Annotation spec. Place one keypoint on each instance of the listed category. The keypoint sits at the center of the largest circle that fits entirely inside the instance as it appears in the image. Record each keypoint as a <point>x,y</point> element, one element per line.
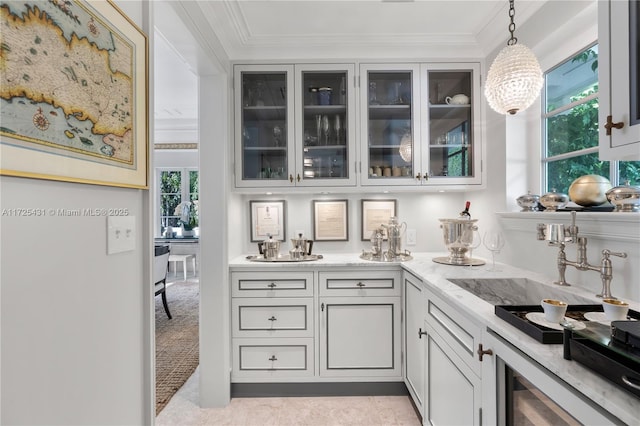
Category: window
<point>175,186</point>
<point>570,126</point>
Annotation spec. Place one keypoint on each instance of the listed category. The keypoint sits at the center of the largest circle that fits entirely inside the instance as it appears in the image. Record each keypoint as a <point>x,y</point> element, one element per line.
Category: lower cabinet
<point>360,332</point>
<point>360,337</point>
<point>453,369</point>
<point>413,352</point>
<point>292,326</point>
<point>453,395</point>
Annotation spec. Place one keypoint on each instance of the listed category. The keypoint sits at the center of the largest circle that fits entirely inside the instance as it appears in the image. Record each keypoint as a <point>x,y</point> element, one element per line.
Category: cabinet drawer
<point>269,358</point>
<point>458,331</point>
<point>360,283</point>
<point>258,317</point>
<point>272,284</point>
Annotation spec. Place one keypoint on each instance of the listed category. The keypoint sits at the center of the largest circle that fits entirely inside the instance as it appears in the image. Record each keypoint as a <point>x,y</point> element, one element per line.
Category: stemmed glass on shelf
<point>494,241</point>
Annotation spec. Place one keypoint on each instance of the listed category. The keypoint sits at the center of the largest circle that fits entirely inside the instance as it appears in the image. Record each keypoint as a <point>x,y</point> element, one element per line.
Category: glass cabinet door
<point>263,124</point>
<point>325,116</point>
<point>453,150</point>
<point>389,144</point>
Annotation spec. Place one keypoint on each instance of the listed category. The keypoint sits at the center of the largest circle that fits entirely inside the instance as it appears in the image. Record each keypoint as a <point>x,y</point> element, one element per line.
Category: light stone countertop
<point>436,276</point>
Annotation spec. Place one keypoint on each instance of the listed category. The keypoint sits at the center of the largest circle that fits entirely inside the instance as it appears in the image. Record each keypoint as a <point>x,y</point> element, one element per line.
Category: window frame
<point>544,159</point>
<point>185,193</point>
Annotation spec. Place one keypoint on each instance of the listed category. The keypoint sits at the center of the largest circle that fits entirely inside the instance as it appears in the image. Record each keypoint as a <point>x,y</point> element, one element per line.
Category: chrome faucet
<point>559,235</point>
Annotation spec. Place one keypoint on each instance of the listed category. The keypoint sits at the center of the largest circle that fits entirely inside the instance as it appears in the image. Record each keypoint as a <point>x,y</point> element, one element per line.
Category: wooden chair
<point>160,269</point>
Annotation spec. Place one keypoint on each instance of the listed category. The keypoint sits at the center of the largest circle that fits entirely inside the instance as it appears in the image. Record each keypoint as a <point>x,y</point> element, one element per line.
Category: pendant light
<point>515,79</point>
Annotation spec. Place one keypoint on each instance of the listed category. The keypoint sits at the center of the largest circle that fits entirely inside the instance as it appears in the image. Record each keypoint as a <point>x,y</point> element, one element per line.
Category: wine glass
<point>493,241</point>
<point>475,243</point>
<point>325,128</point>
<point>338,128</point>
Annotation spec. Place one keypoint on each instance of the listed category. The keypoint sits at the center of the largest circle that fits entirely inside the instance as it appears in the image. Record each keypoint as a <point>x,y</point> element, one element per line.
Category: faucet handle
<point>606,253</point>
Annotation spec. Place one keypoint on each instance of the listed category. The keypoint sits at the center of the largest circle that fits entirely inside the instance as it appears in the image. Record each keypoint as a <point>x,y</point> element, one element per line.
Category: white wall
<point>74,320</point>
<point>420,211</point>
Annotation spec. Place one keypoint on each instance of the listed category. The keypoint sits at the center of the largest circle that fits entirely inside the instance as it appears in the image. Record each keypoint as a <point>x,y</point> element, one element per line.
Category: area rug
<point>177,353</point>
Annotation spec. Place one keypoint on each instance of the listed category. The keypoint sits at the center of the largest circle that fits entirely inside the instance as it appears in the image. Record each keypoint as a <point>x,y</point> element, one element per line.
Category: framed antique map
<point>73,93</point>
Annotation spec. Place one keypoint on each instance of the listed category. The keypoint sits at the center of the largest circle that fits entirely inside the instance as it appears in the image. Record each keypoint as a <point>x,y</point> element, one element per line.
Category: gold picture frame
<point>330,220</point>
<point>74,93</point>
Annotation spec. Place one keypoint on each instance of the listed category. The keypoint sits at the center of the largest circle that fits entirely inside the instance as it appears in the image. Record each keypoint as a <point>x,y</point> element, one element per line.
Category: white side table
<point>175,258</point>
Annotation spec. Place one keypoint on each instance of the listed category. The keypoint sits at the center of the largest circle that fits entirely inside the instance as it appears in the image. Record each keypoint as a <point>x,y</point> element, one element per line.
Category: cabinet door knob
<point>610,124</point>
<point>322,307</point>
<point>273,358</point>
<point>419,176</point>
<point>291,178</point>
<point>298,178</point>
<point>273,318</point>
<point>360,284</point>
<point>421,333</point>
<point>481,352</point>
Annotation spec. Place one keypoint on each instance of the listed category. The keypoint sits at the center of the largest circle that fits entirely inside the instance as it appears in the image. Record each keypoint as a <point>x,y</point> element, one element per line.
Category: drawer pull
<point>272,285</point>
<point>273,358</point>
<point>421,333</point>
<point>273,318</point>
<point>627,381</point>
<point>481,352</point>
<point>360,284</point>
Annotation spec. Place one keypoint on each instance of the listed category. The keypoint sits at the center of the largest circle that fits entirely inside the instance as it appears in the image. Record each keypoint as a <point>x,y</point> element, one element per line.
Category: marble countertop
<point>607,395</point>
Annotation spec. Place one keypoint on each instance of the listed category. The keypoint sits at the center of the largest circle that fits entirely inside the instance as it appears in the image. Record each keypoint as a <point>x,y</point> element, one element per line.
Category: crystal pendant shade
<point>514,80</point>
<point>405,147</point>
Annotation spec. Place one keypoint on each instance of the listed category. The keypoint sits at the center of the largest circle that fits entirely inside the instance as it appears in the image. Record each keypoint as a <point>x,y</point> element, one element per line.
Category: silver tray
<point>284,258</point>
<point>466,262</point>
<point>366,255</point>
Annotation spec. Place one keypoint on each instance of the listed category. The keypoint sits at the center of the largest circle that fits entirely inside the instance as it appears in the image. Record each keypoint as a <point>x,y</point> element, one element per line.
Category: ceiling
<point>305,30</point>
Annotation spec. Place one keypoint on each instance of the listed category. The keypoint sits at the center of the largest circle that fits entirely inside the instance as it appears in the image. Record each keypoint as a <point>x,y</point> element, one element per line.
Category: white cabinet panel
<point>414,343</point>
<point>272,284</point>
<point>454,396</point>
<point>272,359</point>
<point>291,317</point>
<point>360,336</point>
<point>619,81</point>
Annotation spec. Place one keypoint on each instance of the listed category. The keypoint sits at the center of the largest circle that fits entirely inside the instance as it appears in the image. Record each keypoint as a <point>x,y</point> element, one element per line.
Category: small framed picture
<point>267,218</point>
<point>374,214</point>
<point>330,220</point>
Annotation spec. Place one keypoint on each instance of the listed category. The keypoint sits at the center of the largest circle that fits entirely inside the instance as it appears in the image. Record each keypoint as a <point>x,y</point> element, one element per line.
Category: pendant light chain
<point>512,26</point>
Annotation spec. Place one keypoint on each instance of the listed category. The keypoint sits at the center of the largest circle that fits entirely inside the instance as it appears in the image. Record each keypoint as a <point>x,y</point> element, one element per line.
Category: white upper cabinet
<point>618,23</point>
<point>420,124</point>
<point>413,125</point>
<point>294,125</point>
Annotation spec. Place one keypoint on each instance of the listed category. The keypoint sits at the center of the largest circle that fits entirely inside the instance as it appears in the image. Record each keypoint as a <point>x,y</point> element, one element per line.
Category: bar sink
<point>516,291</point>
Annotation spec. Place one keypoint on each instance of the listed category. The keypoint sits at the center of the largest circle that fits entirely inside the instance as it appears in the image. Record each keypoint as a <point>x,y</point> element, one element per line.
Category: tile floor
<point>308,411</point>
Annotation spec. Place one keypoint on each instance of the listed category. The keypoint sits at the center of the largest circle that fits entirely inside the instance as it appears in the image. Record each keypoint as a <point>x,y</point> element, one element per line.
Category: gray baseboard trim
<point>260,390</point>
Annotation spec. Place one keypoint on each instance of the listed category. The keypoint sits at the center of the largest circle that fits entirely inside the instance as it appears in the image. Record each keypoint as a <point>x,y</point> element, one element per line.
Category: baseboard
<point>261,390</point>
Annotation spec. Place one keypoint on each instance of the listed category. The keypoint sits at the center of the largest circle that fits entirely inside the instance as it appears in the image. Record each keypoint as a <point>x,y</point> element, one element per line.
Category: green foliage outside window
<point>576,129</point>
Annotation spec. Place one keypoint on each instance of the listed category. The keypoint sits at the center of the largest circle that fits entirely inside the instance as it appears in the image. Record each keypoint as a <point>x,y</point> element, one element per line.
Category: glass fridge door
<point>264,126</point>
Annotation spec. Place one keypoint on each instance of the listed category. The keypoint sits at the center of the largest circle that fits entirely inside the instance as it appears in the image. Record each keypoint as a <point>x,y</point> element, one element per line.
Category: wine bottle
<point>465,213</point>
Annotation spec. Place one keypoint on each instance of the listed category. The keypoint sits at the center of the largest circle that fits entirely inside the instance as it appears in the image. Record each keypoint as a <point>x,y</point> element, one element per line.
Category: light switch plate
<point>121,234</point>
<point>411,237</point>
